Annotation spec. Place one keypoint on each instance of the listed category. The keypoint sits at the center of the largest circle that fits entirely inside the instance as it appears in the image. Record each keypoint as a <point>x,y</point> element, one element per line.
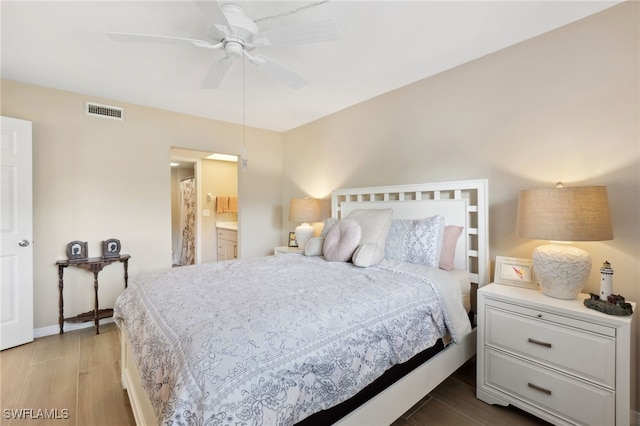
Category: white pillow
<point>341,241</point>
<point>314,246</point>
<point>416,241</point>
<point>374,224</point>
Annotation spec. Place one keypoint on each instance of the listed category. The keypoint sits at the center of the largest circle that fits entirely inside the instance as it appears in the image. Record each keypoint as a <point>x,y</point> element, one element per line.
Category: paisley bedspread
<point>272,340</point>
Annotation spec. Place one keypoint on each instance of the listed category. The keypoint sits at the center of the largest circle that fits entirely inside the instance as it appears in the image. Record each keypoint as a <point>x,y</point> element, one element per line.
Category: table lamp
<point>562,215</point>
<point>304,210</point>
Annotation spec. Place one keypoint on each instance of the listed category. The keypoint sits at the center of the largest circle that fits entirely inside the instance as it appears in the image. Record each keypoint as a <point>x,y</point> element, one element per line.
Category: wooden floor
<point>75,377</point>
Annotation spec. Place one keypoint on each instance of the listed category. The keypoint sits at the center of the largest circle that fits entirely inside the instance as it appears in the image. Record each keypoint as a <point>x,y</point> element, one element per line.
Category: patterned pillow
<point>416,241</point>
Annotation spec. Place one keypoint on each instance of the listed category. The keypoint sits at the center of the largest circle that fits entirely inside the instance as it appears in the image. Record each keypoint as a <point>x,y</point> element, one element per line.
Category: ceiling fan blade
<point>278,71</point>
<point>308,32</point>
<point>162,39</point>
<point>216,17</point>
<point>216,73</point>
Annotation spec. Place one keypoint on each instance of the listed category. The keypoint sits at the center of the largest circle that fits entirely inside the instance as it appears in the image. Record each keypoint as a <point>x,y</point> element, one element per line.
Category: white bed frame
<point>462,203</point>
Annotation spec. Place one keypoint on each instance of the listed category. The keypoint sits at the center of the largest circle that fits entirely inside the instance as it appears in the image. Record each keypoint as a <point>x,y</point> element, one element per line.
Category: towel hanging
<point>233,204</point>
<point>222,204</point>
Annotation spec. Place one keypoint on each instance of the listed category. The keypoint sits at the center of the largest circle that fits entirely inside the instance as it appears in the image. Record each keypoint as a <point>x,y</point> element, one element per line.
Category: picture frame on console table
<point>514,271</point>
<point>111,248</point>
<point>77,250</point>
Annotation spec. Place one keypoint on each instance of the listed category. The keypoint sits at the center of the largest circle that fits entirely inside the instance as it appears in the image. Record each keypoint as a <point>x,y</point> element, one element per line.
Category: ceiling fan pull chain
<point>243,157</point>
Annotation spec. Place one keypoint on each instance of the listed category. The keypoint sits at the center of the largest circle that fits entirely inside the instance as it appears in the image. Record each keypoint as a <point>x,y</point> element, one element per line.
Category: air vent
<point>104,111</point>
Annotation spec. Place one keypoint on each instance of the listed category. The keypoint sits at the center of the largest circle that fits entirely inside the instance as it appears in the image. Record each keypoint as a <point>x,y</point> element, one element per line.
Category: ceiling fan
<point>233,32</point>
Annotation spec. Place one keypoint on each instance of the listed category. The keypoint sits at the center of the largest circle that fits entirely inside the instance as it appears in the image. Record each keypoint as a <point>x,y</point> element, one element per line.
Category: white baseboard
<point>55,329</point>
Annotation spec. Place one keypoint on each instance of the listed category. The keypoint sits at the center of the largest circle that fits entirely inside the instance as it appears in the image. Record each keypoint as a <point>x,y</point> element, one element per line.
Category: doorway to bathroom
<point>202,186</point>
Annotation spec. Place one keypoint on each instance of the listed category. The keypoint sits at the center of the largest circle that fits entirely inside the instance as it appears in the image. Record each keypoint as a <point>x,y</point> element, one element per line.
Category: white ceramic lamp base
<point>562,269</point>
<point>304,233</point>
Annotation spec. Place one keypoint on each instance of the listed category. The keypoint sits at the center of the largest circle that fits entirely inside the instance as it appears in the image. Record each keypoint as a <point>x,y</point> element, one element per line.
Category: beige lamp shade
<point>304,210</point>
<point>564,214</point>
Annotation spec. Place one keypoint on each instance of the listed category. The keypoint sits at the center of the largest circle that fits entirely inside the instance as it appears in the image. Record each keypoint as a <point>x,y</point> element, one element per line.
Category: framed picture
<point>77,250</point>
<point>111,248</point>
<point>516,272</point>
<point>292,240</point>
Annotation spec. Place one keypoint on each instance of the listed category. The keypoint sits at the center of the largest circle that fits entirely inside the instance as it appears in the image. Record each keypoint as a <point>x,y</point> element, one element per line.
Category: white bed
<point>462,203</point>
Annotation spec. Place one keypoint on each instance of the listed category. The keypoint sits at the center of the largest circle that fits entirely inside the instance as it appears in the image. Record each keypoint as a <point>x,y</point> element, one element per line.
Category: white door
<point>16,232</point>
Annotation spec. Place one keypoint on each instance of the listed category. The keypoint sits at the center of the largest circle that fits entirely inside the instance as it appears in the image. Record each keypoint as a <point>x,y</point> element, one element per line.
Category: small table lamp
<point>304,210</point>
<point>562,215</point>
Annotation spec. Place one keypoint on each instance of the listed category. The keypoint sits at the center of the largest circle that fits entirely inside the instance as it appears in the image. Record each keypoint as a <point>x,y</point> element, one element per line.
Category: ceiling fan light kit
<point>231,30</point>
<point>233,48</point>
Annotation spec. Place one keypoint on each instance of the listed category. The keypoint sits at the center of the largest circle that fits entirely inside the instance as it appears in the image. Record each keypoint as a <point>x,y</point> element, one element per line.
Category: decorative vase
<point>562,269</point>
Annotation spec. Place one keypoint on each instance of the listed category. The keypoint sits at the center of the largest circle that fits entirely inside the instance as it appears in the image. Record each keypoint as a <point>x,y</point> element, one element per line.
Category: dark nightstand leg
<point>126,273</point>
<point>95,313</point>
<point>61,298</point>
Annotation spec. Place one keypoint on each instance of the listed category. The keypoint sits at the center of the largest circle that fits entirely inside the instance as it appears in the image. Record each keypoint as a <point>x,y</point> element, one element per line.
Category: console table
<point>95,265</point>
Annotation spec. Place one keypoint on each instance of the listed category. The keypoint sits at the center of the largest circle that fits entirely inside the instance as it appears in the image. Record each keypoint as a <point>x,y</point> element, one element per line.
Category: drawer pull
<point>538,342</point>
<point>539,388</point>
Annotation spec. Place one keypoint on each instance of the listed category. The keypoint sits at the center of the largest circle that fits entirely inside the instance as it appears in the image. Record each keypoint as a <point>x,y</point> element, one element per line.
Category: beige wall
<point>563,106</point>
<point>560,107</point>
<point>218,178</point>
<point>97,178</point>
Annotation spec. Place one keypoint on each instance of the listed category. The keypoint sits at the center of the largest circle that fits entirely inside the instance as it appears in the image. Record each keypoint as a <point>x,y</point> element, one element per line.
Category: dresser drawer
<point>567,398</point>
<point>227,234</point>
<point>577,351</point>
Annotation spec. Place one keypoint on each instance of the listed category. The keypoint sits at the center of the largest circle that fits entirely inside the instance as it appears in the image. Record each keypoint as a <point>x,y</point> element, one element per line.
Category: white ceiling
<point>384,45</point>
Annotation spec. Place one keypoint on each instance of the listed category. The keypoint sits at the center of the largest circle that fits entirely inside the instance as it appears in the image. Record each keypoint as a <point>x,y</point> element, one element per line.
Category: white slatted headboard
<point>463,203</point>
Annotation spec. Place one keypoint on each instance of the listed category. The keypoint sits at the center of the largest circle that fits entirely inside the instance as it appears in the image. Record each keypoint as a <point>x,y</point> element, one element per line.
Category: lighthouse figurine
<point>606,281</point>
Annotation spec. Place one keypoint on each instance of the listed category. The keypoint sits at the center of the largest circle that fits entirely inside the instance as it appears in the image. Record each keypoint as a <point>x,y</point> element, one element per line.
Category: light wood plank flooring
<point>79,372</point>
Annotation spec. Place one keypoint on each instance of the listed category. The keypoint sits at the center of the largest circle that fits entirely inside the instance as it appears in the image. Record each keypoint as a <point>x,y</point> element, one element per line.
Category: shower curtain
<point>186,237</point>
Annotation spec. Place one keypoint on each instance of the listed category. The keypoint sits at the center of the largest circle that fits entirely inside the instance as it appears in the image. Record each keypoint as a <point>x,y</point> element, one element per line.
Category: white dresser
<point>554,358</point>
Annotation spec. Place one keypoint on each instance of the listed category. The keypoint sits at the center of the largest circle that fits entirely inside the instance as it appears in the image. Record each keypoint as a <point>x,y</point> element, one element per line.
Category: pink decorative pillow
<point>449,241</point>
<point>341,241</point>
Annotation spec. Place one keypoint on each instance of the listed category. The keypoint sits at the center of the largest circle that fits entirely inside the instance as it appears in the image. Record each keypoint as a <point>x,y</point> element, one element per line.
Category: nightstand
<point>553,358</point>
<point>94,265</point>
<point>285,249</point>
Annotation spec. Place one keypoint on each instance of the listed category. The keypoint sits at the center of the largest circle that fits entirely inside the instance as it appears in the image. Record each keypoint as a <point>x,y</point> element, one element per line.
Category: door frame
<point>196,157</point>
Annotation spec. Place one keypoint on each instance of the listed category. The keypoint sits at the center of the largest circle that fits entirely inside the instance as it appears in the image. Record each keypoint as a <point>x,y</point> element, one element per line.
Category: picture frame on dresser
<point>514,271</point>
